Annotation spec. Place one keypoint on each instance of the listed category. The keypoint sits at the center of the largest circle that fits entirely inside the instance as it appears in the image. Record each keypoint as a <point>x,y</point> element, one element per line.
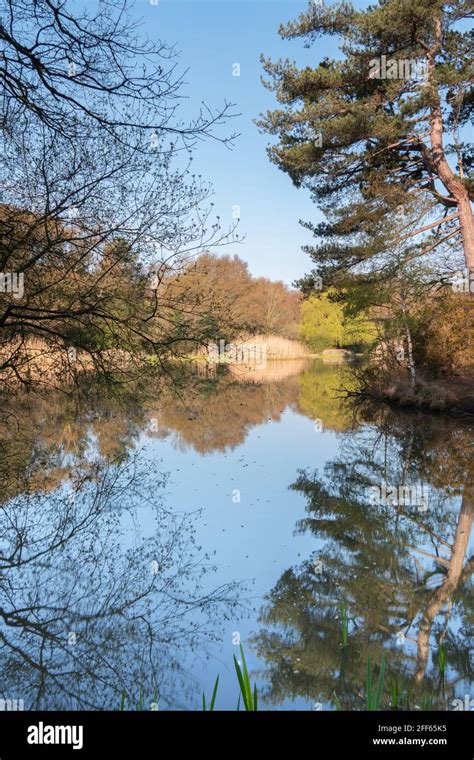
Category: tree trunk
<point>467,230</point>
<point>442,594</point>
<point>452,182</point>
<point>411,363</point>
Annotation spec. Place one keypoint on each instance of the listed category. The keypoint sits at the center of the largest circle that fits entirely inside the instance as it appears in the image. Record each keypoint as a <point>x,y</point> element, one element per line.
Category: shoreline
<point>451,396</point>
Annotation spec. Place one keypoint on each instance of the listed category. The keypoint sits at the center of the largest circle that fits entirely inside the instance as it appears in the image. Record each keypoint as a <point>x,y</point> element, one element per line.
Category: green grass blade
<point>441,659</point>
<point>248,688</point>
<point>203,702</point>
<point>378,694</point>
<point>241,683</point>
<point>122,701</point>
<point>214,694</point>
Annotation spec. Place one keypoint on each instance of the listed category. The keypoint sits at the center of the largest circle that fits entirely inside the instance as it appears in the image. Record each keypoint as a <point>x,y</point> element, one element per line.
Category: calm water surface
<point>141,542</point>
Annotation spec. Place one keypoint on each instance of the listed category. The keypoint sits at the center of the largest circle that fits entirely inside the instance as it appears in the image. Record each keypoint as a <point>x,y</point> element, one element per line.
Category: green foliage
<point>213,697</point>
<point>321,323</point>
<point>247,694</point>
<point>427,703</point>
<point>442,660</point>
<point>374,695</point>
<point>320,396</point>
<point>249,697</point>
<point>325,325</point>
<point>351,132</point>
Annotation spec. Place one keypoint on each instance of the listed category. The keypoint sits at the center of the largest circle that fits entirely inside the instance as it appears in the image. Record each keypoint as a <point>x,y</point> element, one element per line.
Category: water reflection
<point>203,407</point>
<point>92,611</point>
<point>217,412</point>
<point>401,574</point>
<point>106,594</point>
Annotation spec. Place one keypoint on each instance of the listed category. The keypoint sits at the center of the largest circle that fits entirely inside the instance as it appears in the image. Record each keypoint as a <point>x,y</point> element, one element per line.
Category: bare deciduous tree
<point>97,192</point>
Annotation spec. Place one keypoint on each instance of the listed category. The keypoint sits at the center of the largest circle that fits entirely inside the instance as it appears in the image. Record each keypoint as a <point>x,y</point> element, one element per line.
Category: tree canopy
<point>378,134</point>
<point>97,188</point>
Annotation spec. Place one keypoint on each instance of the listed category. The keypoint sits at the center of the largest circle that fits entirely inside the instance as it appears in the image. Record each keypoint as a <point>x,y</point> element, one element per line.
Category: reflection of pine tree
<point>381,562</point>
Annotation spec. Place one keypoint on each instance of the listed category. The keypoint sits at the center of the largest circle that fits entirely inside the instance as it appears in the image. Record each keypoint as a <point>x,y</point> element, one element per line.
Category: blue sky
<point>211,36</point>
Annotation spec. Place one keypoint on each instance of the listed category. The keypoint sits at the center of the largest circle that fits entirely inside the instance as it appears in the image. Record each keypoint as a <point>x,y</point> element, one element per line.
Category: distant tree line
<point>227,302</point>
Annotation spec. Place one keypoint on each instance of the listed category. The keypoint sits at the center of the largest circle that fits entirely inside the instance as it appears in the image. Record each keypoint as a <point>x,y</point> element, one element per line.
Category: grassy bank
<point>452,395</point>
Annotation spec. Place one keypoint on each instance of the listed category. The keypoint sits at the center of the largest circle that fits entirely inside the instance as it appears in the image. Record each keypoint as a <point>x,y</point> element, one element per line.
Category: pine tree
<point>377,134</point>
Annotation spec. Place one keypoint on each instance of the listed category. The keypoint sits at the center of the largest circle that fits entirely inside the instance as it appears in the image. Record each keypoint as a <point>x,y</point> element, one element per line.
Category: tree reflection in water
<point>403,575</point>
<point>91,611</point>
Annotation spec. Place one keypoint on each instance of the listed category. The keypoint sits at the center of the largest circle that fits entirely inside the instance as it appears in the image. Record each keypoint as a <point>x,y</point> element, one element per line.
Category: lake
<point>146,535</point>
